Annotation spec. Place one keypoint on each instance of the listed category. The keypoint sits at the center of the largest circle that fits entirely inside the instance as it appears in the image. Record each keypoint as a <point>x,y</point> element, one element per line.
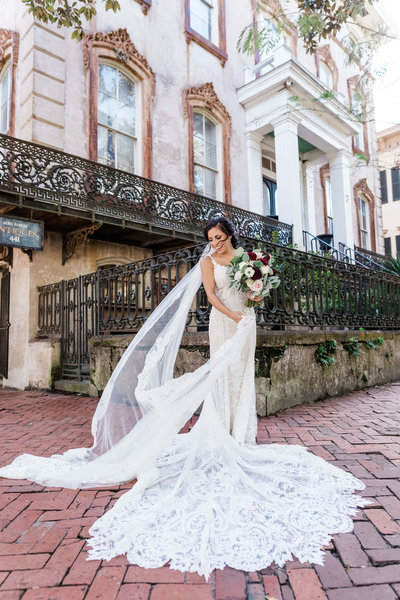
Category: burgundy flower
<point>252,255</point>
<point>264,261</point>
<point>257,274</point>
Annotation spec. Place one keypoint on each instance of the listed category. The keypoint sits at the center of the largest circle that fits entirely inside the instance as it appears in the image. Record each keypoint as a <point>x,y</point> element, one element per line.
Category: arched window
<point>209,133</point>
<point>363,210</point>
<point>116,129</point>
<point>271,37</point>
<point>121,94</point>
<point>326,75</point>
<point>327,69</point>
<point>5,101</point>
<point>205,155</point>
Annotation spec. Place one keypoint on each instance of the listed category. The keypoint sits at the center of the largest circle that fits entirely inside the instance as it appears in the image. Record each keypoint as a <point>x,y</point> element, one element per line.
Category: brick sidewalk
<point>43,530</point>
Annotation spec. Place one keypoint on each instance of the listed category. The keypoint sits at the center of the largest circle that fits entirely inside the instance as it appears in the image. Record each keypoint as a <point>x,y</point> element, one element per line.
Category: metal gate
<point>4,322</point>
<point>79,322</point>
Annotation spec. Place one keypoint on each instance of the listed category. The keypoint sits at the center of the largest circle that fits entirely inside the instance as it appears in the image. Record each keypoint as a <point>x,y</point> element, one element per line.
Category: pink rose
<point>257,286</point>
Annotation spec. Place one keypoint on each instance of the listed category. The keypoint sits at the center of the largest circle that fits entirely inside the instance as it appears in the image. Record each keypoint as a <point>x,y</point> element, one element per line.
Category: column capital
<point>341,154</point>
<point>254,136</point>
<point>289,119</point>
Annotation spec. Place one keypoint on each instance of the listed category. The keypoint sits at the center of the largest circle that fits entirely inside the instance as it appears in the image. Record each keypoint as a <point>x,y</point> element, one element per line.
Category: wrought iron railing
<point>49,316</point>
<point>369,258</point>
<point>63,181</point>
<point>315,291</point>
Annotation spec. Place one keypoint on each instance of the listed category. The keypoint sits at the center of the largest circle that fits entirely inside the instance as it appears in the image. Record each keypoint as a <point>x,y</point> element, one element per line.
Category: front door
<point>4,322</point>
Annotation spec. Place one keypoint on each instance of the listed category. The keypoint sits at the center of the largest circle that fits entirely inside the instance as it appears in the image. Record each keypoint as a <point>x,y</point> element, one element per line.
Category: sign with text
<point>21,233</point>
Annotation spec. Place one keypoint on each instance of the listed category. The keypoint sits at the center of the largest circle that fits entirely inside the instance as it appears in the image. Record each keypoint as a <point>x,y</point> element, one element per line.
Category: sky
<point>387,86</point>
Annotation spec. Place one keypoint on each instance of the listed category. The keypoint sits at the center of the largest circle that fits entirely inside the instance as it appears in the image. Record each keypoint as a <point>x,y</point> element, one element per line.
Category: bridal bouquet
<point>253,272</point>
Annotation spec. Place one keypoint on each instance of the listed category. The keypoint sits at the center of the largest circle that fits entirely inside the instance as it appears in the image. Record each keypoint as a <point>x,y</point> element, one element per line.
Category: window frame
<point>383,187</point>
<point>362,189</point>
<point>365,232</point>
<point>116,48</point>
<point>388,246</point>
<point>6,71</point>
<point>218,188</point>
<point>395,183</point>
<point>9,53</point>
<point>219,50</point>
<point>137,154</point>
<point>352,84</point>
<point>273,10</point>
<point>323,55</point>
<point>204,98</point>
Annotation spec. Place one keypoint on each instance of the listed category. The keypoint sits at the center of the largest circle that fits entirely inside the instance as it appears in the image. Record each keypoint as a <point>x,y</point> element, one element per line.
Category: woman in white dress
<point>210,497</point>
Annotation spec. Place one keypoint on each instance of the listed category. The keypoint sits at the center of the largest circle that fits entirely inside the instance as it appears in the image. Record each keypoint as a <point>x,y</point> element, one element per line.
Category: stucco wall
<point>30,362</point>
<point>287,372</point>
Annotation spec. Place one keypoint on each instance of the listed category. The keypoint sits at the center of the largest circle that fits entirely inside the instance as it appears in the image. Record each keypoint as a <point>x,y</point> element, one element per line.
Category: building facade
<point>165,95</point>
<point>389,165</point>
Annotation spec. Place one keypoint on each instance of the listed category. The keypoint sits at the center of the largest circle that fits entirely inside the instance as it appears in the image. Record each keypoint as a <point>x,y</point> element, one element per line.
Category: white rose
<point>249,272</point>
<point>264,270</point>
<point>238,275</point>
<point>259,254</point>
<point>242,264</point>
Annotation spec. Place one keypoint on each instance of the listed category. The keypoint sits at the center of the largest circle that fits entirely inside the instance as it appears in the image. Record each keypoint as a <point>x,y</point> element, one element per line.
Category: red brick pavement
<point>43,530</point>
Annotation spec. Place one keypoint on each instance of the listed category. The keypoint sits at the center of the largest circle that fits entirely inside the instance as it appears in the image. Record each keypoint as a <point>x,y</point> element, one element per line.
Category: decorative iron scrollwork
<point>63,180</point>
<point>72,241</point>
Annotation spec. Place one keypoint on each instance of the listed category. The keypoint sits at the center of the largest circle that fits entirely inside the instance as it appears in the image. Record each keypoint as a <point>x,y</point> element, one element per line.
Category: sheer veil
<point>142,407</point>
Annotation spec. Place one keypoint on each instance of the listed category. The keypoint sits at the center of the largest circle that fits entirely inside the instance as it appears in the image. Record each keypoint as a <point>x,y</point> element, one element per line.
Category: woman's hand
<point>256,299</point>
<point>237,316</point>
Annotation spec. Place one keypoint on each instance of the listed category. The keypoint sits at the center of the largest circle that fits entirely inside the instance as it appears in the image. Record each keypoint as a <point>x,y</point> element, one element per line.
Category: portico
<point>291,113</point>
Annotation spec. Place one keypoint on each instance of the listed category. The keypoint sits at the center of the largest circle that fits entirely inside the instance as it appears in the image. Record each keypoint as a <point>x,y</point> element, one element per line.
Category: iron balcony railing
<point>63,183</point>
<point>357,256</point>
<point>315,291</point>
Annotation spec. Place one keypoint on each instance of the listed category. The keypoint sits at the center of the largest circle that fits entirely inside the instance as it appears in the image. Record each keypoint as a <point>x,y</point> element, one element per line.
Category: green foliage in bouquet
<point>253,272</point>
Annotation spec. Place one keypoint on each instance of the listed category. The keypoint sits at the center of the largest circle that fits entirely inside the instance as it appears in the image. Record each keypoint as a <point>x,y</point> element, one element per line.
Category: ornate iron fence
<point>315,291</point>
<point>61,181</point>
<point>49,316</point>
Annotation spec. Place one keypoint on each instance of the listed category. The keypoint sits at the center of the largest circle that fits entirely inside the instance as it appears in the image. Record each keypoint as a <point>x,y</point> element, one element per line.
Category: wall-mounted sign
<point>21,233</point>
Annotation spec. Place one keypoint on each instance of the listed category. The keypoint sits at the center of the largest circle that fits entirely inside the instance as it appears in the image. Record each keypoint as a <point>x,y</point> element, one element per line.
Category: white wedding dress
<point>210,497</point>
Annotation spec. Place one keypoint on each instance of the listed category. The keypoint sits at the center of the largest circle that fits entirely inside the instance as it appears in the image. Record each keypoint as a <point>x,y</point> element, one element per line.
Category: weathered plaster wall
<point>31,361</point>
<point>287,372</point>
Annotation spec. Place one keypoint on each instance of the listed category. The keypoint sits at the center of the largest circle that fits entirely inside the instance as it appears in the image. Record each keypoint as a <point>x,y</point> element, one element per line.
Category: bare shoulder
<point>206,263</point>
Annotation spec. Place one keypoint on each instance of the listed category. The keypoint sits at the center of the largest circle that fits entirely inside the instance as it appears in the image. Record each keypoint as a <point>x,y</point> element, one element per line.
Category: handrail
<point>62,182</point>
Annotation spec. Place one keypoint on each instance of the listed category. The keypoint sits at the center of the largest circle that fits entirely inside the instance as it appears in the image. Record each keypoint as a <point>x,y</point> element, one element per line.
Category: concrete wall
<point>282,380</point>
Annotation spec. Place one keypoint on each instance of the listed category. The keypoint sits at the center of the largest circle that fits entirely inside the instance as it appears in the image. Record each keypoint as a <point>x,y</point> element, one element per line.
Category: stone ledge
<point>287,372</point>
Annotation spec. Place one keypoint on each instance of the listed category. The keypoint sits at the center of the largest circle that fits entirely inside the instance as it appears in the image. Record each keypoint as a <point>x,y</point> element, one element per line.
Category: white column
<point>288,174</point>
<point>254,166</point>
<point>310,200</point>
<point>339,167</point>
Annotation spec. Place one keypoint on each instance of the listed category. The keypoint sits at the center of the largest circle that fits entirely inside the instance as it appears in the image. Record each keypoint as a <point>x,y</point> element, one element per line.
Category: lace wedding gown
<point>210,497</point>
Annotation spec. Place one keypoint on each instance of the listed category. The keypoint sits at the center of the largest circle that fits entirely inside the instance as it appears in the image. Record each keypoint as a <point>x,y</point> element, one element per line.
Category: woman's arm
<point>207,271</point>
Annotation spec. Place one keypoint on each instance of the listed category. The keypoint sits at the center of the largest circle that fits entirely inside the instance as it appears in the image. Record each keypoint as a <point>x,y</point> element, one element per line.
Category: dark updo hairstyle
<point>225,226</point>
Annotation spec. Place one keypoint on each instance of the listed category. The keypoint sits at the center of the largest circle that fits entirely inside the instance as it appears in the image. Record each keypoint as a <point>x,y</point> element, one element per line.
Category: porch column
<point>339,167</point>
<point>288,174</point>
<point>310,222</point>
<point>254,166</point>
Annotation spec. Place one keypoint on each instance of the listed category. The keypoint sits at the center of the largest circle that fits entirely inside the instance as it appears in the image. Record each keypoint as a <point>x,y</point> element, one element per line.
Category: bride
<point>210,497</point>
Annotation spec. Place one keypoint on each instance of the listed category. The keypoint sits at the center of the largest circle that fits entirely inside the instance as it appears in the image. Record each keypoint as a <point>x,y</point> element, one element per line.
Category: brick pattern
<point>43,530</point>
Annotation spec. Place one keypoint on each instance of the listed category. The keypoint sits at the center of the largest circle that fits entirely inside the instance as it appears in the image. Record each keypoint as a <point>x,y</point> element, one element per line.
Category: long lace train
<point>215,502</point>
